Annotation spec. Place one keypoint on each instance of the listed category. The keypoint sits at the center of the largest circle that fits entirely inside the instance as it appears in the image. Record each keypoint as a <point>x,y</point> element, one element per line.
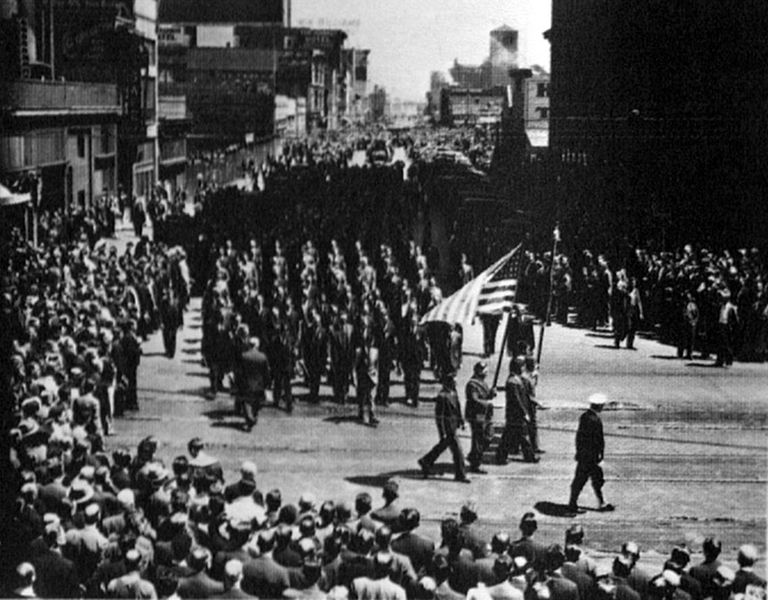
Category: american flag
<point>493,291</point>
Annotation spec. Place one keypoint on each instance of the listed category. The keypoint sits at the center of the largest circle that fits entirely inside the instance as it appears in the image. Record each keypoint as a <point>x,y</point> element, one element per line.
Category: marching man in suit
<point>590,447</point>
<point>448,419</point>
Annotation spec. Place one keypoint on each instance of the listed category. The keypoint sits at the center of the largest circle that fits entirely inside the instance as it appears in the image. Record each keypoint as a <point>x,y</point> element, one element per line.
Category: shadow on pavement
<point>239,425</point>
<point>608,346</point>
<point>190,351</point>
<point>197,374</point>
<point>193,341</point>
<point>380,479</point>
<point>153,354</point>
<point>553,509</point>
<point>597,334</point>
<point>218,414</point>
<point>703,365</point>
<point>665,357</point>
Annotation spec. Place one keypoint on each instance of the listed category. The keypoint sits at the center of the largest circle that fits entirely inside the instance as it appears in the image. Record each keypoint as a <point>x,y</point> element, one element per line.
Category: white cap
<point>126,498</point>
<point>597,400</point>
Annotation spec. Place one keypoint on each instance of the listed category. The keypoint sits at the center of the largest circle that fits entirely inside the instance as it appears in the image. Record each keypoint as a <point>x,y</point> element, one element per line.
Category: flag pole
<point>501,353</point>
<point>548,320</point>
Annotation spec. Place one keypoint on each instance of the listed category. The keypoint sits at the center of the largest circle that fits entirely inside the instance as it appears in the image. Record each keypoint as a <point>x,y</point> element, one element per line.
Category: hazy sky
<point>410,38</point>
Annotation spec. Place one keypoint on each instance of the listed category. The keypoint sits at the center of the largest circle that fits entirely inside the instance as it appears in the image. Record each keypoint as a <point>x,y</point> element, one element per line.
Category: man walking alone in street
<point>448,420</point>
<point>590,447</point>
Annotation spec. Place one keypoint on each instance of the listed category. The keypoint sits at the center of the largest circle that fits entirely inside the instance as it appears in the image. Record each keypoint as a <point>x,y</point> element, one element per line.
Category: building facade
<point>78,97</point>
<point>471,106</point>
<point>503,54</point>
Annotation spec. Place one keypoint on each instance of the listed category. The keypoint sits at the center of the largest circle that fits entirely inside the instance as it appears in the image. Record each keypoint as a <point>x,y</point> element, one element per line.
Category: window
<point>81,198</point>
<point>542,90</point>
<point>80,145</point>
<point>543,112</point>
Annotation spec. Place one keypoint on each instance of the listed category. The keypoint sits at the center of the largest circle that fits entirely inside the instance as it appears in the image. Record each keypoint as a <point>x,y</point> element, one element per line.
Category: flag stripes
<point>492,291</point>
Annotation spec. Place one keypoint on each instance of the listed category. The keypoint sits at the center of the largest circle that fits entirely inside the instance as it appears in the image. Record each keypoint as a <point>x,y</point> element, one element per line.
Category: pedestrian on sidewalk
<point>590,448</point>
<point>448,419</point>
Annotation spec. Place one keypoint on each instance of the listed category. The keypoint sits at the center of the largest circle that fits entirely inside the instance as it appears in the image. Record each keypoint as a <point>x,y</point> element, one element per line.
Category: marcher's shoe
<point>532,459</point>
<point>606,507</point>
<point>501,462</point>
<point>540,451</point>
<point>461,479</point>
<point>373,422</point>
<point>425,471</point>
<point>576,510</point>
<point>477,470</point>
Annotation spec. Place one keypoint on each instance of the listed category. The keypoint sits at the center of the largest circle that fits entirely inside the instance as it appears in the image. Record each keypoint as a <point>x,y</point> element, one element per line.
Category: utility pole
<point>548,320</point>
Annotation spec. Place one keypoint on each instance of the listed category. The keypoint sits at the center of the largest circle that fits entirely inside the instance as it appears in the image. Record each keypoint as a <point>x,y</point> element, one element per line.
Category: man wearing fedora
<point>590,447</point>
<point>478,412</point>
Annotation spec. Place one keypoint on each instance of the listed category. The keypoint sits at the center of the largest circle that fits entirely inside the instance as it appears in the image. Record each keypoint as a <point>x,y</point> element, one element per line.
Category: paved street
<point>686,443</point>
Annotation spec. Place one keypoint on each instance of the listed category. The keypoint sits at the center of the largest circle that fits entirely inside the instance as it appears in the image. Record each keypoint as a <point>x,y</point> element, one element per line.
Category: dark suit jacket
<point>704,573</point>
<point>745,578</point>
<point>590,443</point>
<point>583,581</point>
<point>263,577</point>
<point>199,585</point>
<point>419,549</point>
<point>448,413</point>
<point>472,541</point>
<point>533,551</point>
<point>255,372</point>
<point>562,588</point>
<point>56,576</point>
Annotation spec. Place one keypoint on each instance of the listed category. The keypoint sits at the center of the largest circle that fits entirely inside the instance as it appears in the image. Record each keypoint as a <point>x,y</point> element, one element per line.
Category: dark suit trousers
<point>447,441</point>
<point>584,472</point>
<point>251,404</point>
<point>411,377</point>
<point>131,393</point>
<point>282,388</point>
<point>169,338</point>
<point>481,439</point>
<point>515,435</point>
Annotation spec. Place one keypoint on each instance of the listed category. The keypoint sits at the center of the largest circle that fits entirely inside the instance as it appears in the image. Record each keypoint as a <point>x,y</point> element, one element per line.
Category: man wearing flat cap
<point>590,447</point>
<point>478,412</point>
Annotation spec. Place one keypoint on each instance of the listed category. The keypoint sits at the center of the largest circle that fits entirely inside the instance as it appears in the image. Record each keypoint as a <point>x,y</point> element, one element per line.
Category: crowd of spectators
<point>698,300</point>
<point>129,525</point>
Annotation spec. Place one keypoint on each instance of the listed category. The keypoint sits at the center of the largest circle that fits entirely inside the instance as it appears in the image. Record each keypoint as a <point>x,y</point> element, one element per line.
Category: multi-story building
<point>207,56</point>
<point>356,72</point>
<point>437,82</point>
<point>665,103</point>
<point>175,125</point>
<point>503,54</point>
<point>312,65</point>
<point>78,97</point>
<point>471,106</point>
<point>110,41</point>
<point>493,72</point>
<point>378,102</point>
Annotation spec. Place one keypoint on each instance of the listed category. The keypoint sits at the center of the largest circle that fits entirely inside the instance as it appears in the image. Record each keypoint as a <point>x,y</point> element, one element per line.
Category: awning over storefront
<point>538,138</point>
<point>8,198</point>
